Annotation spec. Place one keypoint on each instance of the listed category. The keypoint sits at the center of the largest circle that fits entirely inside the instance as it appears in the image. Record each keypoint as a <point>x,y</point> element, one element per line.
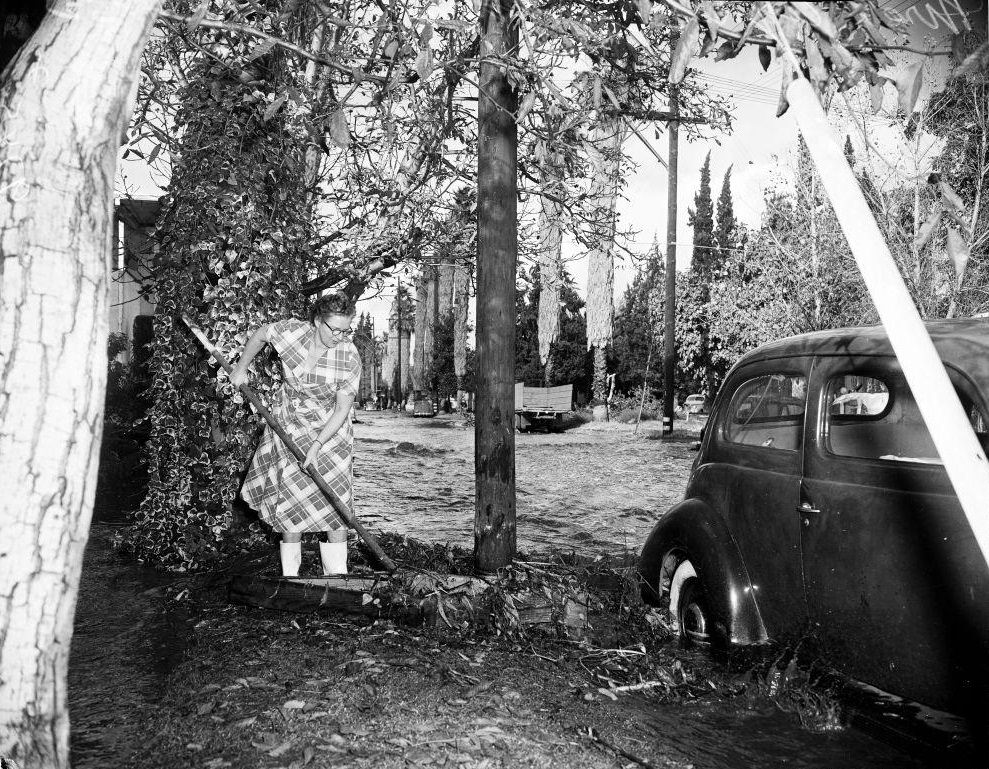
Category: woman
<point>322,372</point>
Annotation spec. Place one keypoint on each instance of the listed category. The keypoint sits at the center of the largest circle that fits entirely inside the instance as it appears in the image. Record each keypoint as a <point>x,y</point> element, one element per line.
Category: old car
<point>695,404</point>
<point>817,507</point>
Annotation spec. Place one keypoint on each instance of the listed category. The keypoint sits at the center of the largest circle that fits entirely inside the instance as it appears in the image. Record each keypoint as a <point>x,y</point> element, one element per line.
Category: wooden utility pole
<point>436,325</point>
<point>497,250</point>
<point>669,320</point>
<point>398,330</point>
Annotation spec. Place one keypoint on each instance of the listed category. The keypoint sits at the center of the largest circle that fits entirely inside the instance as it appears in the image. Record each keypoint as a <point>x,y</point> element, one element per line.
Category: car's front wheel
<point>689,607</point>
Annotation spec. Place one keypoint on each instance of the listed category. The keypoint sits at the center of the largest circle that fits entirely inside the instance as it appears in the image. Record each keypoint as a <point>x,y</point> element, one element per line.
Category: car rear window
<point>873,418</point>
<point>768,412</point>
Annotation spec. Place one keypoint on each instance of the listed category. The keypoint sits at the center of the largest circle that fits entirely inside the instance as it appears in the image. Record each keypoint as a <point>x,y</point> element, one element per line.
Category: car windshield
<point>767,411</point>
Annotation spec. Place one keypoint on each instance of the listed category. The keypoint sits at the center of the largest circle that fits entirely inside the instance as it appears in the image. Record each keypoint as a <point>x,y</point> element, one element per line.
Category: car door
<point>896,587</point>
<point>751,474</point>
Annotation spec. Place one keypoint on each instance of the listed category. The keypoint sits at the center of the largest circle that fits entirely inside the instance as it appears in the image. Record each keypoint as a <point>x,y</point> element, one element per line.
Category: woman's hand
<point>311,454</point>
<point>238,376</point>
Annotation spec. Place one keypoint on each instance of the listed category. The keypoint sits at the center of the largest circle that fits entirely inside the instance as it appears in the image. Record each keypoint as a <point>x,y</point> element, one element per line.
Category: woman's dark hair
<point>334,304</point>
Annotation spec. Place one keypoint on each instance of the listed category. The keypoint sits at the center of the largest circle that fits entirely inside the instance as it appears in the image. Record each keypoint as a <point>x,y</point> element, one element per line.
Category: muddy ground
<point>164,672</point>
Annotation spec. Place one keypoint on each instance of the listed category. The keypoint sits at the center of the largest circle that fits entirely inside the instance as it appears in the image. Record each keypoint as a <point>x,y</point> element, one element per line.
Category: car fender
<point>695,528</point>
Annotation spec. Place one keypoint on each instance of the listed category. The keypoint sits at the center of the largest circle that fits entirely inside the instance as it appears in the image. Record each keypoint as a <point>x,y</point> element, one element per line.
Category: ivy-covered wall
<point>233,247</point>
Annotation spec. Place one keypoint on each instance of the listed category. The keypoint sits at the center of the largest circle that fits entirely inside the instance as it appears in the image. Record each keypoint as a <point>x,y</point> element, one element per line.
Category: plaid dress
<point>284,494</point>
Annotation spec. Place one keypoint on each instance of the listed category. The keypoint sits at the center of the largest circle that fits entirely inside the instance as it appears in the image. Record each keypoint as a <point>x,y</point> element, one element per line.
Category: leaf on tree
<point>526,107</point>
<point>261,49</point>
<point>273,108</point>
<point>339,130</point>
<point>876,94</point>
<point>784,103</point>
<point>953,204</point>
<point>765,57</point>
<point>908,87</point>
<point>711,19</point>
<point>817,18</point>
<point>426,35</point>
<point>424,63</point>
<point>844,65</point>
<point>197,15</point>
<point>214,90</point>
<point>684,50</point>
<point>815,64</point>
<point>959,253</point>
<point>927,229</point>
<point>645,10</point>
<point>975,63</point>
<point>726,51</point>
<point>708,45</point>
<point>596,93</point>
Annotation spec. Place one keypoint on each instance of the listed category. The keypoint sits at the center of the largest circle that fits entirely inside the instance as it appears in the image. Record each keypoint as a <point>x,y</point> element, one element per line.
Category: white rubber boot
<point>334,557</point>
<point>291,554</point>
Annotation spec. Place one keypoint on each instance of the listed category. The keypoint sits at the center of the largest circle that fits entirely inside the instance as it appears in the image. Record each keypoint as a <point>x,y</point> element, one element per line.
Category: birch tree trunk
<point>419,331</point>
<point>63,103</point>
<point>550,244</point>
<point>601,262</point>
<point>461,306</point>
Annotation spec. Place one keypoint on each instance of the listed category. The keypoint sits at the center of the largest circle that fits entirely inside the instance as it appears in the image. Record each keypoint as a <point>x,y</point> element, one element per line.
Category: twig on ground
<point>592,733</point>
<point>544,657</point>
<point>640,686</point>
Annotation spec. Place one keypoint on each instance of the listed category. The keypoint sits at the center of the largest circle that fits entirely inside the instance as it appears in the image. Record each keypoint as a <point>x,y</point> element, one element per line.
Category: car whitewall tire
<point>684,571</point>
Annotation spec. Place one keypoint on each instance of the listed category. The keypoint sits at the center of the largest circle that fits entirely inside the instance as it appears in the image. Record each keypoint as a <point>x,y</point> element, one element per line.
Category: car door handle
<point>807,507</point>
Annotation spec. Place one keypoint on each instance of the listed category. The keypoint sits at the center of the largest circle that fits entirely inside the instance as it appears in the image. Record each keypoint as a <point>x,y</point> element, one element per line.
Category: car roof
<point>963,343</point>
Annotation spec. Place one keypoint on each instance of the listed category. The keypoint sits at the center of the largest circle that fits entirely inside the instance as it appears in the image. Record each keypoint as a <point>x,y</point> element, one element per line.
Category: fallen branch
<point>640,686</point>
<point>592,733</point>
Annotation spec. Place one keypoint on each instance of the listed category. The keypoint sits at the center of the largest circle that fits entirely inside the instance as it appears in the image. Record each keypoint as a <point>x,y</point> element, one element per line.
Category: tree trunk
<point>600,385</point>
<point>608,136</point>
<point>419,332</point>
<point>549,248</point>
<point>497,251</point>
<point>64,101</point>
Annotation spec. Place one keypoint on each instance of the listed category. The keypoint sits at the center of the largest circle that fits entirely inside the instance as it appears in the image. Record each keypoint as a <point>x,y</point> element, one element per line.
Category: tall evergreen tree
<point>701,218</point>
<point>638,327</point>
<point>571,360</point>
<point>726,231</point>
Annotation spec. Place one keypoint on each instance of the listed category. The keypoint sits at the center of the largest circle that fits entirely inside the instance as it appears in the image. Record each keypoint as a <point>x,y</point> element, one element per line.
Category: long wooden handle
<point>337,503</point>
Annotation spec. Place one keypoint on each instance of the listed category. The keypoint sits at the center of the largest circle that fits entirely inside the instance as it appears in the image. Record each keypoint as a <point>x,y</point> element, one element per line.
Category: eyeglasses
<point>339,333</point>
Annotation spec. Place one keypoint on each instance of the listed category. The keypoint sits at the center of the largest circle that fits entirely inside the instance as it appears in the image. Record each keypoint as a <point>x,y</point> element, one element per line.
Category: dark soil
<point>257,688</point>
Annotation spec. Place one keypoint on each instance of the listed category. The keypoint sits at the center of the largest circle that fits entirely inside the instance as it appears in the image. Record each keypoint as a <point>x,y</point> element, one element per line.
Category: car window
<point>874,418</point>
<point>768,411</point>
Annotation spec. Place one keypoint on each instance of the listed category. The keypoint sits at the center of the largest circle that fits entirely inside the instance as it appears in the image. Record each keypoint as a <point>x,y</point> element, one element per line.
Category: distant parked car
<point>695,404</point>
<point>817,503</point>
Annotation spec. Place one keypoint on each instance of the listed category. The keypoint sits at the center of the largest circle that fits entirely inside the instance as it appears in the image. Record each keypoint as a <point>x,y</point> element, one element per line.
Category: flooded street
<point>595,489</point>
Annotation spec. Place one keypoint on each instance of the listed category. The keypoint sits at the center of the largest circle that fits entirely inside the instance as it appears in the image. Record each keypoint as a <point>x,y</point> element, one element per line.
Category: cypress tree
<point>701,218</point>
<point>726,233</point>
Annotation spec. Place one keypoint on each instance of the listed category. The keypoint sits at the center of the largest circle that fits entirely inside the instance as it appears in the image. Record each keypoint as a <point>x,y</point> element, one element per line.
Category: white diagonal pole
<point>939,405</point>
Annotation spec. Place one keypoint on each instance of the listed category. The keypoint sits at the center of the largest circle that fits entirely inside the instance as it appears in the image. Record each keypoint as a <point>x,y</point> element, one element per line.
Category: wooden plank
<point>557,399</point>
<point>346,594</point>
<point>412,599</point>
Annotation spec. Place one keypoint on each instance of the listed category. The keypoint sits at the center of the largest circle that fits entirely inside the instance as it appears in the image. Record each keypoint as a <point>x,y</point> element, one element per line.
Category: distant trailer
<point>541,406</point>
